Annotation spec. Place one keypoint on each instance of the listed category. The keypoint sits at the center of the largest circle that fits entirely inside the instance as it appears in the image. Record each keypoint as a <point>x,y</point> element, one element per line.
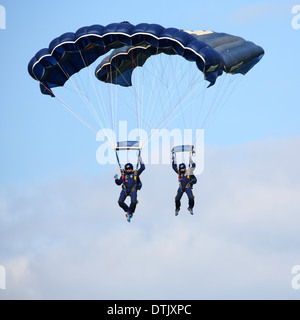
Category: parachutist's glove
<point>140,159</point>
<point>116,176</point>
<point>173,157</point>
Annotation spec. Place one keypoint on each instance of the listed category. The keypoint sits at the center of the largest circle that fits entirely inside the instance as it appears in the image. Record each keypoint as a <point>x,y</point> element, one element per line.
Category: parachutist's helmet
<point>128,167</point>
<point>182,168</point>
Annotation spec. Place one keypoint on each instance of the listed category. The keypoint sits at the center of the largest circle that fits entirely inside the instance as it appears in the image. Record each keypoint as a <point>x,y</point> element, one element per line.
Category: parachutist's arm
<point>174,166</point>
<point>142,168</point>
<point>192,163</point>
<point>119,181</point>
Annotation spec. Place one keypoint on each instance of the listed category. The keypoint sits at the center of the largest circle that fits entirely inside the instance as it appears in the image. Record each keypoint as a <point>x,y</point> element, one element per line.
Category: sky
<point>62,234</point>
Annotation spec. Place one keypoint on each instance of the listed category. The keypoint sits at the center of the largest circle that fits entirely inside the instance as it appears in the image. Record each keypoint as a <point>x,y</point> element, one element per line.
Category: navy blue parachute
<point>66,55</point>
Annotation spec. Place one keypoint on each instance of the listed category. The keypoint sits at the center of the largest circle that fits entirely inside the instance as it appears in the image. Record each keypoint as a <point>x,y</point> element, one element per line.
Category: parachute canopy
<point>213,53</point>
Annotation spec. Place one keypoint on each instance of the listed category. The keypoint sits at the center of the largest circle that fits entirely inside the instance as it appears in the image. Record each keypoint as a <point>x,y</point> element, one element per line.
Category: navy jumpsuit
<point>185,185</point>
<point>129,188</point>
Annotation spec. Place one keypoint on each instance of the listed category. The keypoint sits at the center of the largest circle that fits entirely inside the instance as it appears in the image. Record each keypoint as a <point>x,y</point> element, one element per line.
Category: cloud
<point>260,11</point>
<point>70,240</point>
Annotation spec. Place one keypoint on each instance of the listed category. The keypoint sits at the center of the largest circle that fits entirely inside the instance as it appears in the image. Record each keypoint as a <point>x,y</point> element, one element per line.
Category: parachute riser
<point>184,148</point>
<point>117,156</point>
<point>128,145</point>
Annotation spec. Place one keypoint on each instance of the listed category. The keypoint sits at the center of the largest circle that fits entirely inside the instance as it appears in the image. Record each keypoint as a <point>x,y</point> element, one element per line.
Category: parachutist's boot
<point>177,212</point>
<point>191,211</point>
<point>128,216</point>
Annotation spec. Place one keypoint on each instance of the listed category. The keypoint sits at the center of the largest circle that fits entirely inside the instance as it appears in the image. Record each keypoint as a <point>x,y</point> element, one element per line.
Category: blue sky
<point>58,203</point>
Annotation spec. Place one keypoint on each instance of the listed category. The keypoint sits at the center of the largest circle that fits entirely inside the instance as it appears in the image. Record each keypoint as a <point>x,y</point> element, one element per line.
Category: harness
<point>188,184</point>
<point>136,179</point>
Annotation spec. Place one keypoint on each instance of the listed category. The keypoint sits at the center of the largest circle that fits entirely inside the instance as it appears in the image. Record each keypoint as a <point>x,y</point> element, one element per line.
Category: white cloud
<point>71,240</point>
<point>261,11</point>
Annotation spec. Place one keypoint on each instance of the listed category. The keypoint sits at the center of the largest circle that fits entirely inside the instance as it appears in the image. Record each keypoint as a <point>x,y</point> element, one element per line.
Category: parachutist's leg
<point>191,197</point>
<point>121,201</point>
<point>133,202</point>
<point>178,198</point>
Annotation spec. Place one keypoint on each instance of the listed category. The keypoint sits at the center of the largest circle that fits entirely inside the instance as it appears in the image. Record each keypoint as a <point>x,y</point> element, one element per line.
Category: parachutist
<point>130,181</point>
<point>186,182</point>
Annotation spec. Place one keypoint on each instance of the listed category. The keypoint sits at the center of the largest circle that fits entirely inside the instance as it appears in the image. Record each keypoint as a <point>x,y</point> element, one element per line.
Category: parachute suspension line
<point>70,109</point>
<point>163,104</point>
<point>177,84</point>
<point>86,102</point>
<point>109,94</point>
<point>213,102</point>
<point>152,97</point>
<point>116,104</point>
<point>190,90</point>
<point>201,104</point>
<point>150,78</point>
<point>139,106</point>
<point>158,80</point>
<point>192,76</point>
<point>165,100</point>
<point>102,109</point>
<point>118,160</point>
<point>233,84</point>
<point>170,113</point>
<point>79,93</point>
<point>114,90</point>
<point>178,78</point>
<point>101,106</point>
<point>220,93</point>
<point>179,98</point>
<point>135,92</point>
<point>93,84</point>
<point>84,99</point>
<point>127,105</point>
<point>163,65</point>
<point>110,107</point>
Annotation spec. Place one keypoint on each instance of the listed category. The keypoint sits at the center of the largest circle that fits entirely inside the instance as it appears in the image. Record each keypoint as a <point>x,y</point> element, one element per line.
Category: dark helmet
<point>182,167</point>
<point>128,167</point>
